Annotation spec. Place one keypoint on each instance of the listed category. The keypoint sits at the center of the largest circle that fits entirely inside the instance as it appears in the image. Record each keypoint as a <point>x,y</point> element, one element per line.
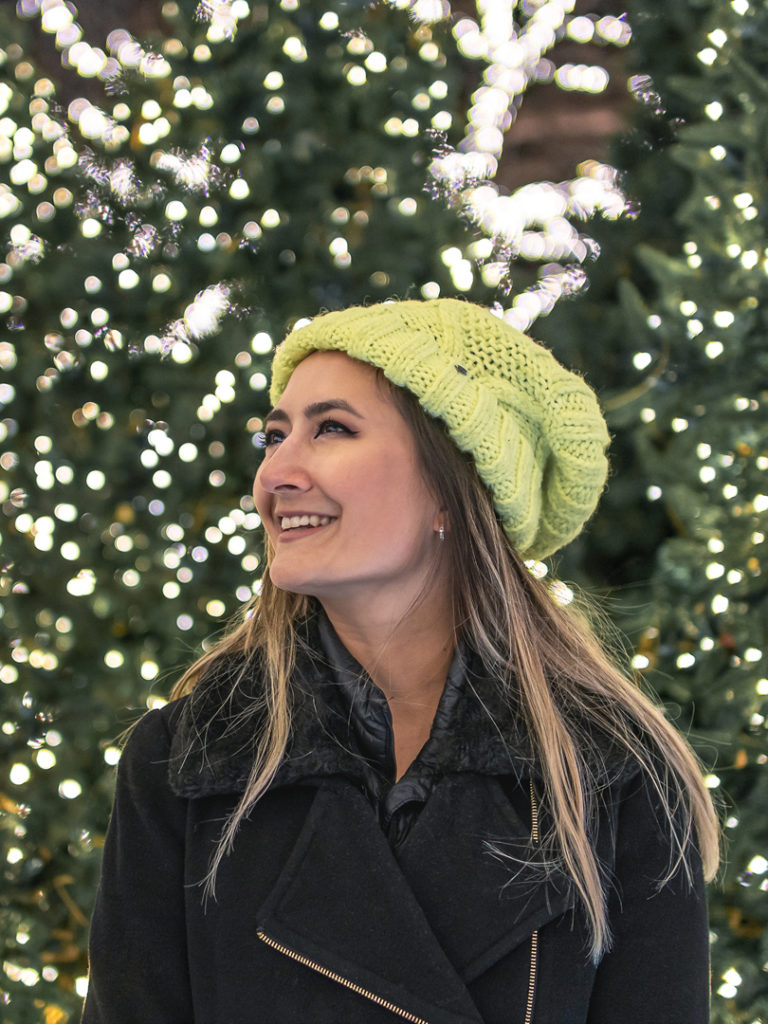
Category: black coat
<point>319,919</point>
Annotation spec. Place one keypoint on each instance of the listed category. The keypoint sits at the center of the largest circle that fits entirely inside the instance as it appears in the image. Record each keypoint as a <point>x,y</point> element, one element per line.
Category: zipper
<point>535,936</point>
<point>406,1014</point>
<point>326,973</point>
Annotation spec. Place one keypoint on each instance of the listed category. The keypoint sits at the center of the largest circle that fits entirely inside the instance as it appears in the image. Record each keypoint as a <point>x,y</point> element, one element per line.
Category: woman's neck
<point>408,661</point>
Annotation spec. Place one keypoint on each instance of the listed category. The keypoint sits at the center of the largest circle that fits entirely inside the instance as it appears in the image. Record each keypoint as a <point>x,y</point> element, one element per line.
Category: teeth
<point>293,522</point>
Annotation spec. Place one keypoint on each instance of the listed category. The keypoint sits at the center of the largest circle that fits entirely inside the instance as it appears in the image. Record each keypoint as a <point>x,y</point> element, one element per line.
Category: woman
<point>409,784</point>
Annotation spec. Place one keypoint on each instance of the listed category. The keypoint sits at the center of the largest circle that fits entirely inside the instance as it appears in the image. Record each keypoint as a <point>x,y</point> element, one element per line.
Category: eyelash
<point>273,436</point>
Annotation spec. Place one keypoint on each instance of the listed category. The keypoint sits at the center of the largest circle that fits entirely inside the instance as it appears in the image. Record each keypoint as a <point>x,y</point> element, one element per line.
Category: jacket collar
<point>417,926</point>
<point>212,750</point>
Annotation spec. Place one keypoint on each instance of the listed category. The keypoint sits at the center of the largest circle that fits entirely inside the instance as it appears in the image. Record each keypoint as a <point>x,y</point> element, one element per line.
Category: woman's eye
<point>332,427</point>
<point>272,437</point>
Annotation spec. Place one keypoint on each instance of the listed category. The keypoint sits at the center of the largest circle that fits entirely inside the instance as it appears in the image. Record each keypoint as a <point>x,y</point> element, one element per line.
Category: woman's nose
<point>283,469</point>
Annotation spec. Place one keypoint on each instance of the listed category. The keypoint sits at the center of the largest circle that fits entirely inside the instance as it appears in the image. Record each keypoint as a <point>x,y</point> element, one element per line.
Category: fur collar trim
<point>213,745</point>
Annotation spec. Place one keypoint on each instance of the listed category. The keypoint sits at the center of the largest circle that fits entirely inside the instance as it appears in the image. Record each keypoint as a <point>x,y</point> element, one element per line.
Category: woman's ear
<point>440,525</point>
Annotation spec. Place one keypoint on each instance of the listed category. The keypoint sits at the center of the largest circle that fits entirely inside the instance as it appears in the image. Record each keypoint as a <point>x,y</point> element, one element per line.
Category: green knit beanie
<point>533,428</point>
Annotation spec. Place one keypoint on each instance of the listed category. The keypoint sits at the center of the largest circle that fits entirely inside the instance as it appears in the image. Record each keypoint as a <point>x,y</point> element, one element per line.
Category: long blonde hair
<point>546,660</point>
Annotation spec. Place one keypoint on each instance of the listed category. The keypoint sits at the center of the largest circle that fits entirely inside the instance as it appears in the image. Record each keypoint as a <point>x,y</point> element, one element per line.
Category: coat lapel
<point>343,903</point>
<point>415,927</point>
<point>475,874</point>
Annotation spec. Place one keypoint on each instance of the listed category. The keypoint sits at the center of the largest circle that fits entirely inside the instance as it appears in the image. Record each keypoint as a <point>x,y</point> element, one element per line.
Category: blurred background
<point>180,183</point>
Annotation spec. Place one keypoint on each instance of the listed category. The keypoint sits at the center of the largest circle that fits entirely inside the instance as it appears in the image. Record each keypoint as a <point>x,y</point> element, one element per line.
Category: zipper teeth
<point>341,980</point>
<point>532,978</point>
<point>535,936</point>
<point>534,813</point>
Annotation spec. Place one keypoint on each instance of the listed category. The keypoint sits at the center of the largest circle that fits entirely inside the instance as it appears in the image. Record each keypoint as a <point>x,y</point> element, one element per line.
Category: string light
<point>535,223</point>
<point>146,208</point>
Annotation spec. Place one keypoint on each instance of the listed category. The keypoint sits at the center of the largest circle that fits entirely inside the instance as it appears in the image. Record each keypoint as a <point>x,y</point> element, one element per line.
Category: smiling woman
<point>377,547</point>
<point>410,784</point>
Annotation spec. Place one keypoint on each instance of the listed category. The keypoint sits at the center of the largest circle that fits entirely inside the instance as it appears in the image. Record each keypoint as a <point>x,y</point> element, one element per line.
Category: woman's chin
<point>291,582</point>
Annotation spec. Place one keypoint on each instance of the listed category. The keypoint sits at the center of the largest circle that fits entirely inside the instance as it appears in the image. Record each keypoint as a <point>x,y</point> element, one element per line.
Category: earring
<point>441,532</point>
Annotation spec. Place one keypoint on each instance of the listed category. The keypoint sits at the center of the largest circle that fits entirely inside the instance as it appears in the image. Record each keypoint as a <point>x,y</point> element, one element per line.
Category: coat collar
<point>418,925</point>
<point>212,750</point>
<point>415,925</point>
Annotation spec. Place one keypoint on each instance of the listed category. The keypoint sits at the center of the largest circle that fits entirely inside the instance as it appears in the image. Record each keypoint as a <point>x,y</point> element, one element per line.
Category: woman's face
<point>340,491</point>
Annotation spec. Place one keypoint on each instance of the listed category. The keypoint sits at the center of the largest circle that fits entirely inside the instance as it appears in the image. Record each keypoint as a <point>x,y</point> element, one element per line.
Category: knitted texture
<point>534,429</point>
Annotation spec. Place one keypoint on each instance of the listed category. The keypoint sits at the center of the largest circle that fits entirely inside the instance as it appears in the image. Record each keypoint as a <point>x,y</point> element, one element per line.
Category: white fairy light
<point>194,171</point>
<point>54,18</point>
<point>202,317</point>
<point>57,17</point>
<point>222,17</point>
<point>25,247</point>
<point>429,11</point>
<point>122,181</point>
<point>154,65</point>
<point>535,222</point>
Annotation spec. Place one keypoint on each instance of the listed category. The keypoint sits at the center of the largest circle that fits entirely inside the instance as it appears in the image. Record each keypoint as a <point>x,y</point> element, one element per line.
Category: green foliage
<point>676,325</point>
<point>132,411</point>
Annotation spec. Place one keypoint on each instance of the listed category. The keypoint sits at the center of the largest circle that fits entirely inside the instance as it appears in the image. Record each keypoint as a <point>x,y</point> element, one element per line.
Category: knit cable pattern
<point>534,429</point>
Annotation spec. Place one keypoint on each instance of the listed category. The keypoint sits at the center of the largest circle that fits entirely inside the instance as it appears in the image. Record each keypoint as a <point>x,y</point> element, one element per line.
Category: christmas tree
<point>673,331</point>
<point>163,225</point>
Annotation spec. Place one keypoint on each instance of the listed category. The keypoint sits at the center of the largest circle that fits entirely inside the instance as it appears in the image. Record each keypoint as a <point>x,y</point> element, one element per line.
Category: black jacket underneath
<point>327,914</point>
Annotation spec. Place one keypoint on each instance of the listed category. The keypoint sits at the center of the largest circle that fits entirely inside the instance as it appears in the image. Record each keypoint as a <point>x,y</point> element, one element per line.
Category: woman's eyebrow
<point>316,409</point>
